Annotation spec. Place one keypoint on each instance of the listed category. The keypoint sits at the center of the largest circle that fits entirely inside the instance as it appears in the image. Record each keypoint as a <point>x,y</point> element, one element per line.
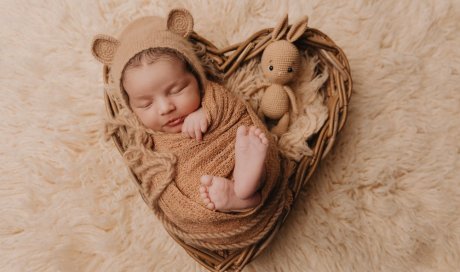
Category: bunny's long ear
<point>297,29</point>
<point>180,21</point>
<point>280,29</point>
<point>104,48</point>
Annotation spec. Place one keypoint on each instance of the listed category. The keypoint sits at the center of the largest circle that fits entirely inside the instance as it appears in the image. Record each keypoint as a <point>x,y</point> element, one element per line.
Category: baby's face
<point>162,94</point>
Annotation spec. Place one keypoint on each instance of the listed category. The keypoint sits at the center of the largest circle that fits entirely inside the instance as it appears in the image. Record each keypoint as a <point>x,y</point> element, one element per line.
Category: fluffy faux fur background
<point>387,198</point>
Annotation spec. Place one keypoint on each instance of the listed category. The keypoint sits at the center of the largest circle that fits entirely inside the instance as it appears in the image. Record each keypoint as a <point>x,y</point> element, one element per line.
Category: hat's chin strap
<point>154,170</point>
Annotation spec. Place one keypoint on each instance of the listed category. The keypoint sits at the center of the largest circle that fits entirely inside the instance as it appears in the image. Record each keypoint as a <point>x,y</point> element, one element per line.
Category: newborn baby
<point>164,93</point>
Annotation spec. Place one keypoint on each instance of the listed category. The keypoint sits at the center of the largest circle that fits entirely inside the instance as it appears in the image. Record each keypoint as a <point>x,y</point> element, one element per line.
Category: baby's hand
<point>195,124</point>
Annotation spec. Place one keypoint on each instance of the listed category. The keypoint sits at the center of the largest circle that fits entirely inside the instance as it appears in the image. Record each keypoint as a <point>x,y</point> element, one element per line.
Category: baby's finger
<point>204,126</point>
<point>186,130</point>
<point>198,135</point>
<point>191,132</point>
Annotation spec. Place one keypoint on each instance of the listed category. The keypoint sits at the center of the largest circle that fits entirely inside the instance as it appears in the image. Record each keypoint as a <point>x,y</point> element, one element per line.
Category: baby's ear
<point>104,48</point>
<point>297,29</point>
<point>180,21</point>
<point>280,29</point>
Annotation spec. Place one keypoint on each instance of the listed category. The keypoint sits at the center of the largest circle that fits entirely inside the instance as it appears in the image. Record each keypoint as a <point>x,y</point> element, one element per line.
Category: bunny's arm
<point>257,88</point>
<point>291,98</point>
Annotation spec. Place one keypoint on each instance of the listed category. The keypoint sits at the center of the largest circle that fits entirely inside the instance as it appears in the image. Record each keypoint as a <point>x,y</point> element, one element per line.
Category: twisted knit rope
<point>141,158</point>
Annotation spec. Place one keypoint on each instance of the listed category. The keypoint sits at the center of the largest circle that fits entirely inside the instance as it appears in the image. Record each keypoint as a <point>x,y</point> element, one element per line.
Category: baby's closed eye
<point>176,91</point>
<point>145,104</point>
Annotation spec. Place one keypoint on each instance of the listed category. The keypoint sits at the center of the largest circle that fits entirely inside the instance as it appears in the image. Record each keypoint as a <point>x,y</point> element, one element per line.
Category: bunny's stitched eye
<point>270,67</point>
<point>289,69</point>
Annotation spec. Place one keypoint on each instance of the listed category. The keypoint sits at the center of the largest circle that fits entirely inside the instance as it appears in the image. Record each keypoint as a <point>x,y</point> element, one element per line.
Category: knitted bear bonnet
<point>145,33</point>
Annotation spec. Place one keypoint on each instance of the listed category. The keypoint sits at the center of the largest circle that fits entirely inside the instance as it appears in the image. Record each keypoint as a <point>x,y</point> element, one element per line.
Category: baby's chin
<point>172,129</point>
<point>175,130</point>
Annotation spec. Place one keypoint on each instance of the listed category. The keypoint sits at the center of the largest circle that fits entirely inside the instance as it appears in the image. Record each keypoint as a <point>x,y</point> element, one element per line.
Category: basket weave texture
<point>336,92</point>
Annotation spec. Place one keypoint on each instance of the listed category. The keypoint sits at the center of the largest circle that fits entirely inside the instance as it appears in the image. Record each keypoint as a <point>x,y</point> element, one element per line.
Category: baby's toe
<point>241,131</point>
<point>206,180</point>
<point>203,189</point>
<point>210,206</point>
<point>263,138</point>
<point>204,195</point>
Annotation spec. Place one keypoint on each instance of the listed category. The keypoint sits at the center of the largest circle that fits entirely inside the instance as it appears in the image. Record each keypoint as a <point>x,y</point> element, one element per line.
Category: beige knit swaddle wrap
<point>170,173</point>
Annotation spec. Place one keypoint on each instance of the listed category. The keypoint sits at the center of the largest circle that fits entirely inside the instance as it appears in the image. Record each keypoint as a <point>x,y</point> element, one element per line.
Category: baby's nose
<point>166,107</point>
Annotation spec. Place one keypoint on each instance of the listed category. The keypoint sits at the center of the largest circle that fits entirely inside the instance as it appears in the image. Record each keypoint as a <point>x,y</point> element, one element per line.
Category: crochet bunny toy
<point>280,64</point>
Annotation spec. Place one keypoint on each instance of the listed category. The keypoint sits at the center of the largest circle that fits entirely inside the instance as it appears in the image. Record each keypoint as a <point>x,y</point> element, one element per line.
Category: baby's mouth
<point>174,122</point>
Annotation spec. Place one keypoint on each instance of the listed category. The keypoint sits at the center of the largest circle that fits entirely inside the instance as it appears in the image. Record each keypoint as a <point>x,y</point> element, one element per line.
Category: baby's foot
<point>218,194</point>
<point>250,150</point>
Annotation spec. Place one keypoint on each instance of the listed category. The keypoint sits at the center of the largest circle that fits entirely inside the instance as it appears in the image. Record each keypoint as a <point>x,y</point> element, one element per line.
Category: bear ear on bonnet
<point>104,48</point>
<point>180,21</point>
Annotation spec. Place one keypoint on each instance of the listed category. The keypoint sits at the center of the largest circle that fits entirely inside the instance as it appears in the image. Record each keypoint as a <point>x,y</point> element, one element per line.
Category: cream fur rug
<point>387,198</point>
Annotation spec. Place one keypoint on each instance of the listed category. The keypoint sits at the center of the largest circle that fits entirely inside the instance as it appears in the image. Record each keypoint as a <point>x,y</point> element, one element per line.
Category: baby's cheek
<point>148,119</point>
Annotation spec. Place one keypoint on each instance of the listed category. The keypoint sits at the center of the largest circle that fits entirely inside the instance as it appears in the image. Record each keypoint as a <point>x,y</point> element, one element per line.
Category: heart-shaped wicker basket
<point>336,92</point>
